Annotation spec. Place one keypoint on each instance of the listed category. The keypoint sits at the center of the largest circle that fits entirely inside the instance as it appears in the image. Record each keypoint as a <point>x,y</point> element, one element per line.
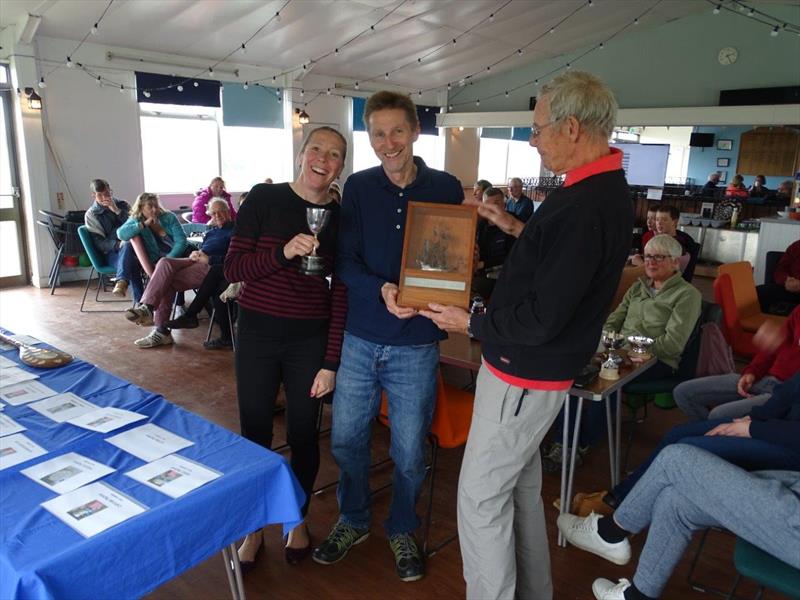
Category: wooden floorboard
<point>203,382</point>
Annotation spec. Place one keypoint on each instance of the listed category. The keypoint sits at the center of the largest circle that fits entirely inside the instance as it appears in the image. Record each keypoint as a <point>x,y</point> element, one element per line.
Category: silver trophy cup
<point>317,219</point>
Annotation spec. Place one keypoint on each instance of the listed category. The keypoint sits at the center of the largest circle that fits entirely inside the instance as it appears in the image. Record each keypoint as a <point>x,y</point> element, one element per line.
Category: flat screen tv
<point>701,140</point>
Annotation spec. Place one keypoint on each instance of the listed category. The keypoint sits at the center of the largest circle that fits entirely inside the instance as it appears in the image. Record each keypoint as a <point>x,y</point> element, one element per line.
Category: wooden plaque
<point>438,252</point>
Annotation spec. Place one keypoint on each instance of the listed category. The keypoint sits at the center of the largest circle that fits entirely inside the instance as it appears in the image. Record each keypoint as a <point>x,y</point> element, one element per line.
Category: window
<point>500,160</point>
<point>184,147</point>
<point>429,148</point>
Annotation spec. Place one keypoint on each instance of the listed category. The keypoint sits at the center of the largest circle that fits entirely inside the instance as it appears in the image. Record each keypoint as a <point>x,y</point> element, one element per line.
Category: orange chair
<point>745,297</point>
<point>452,418</point>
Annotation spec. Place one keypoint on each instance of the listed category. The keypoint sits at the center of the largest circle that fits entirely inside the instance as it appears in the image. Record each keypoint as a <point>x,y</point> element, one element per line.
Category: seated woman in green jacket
<point>660,305</point>
<point>159,229</point>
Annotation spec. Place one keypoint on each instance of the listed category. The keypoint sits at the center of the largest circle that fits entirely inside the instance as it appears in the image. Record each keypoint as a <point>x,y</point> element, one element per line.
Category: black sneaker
<point>185,321</point>
<point>407,558</point>
<point>218,344</point>
<point>342,537</point>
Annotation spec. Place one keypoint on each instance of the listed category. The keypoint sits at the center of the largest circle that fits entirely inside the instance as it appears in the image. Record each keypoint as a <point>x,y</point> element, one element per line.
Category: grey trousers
<point>501,524</point>
<point>687,489</point>
<point>716,397</point>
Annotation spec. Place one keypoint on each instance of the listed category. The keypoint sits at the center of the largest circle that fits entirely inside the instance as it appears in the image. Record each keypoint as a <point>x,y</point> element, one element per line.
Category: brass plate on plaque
<point>438,254</point>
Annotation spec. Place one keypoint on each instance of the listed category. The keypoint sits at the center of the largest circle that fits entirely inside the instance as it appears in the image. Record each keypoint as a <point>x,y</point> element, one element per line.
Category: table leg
<point>564,443</point>
<point>575,435</point>
<point>618,394</point>
<point>234,571</point>
<point>611,447</point>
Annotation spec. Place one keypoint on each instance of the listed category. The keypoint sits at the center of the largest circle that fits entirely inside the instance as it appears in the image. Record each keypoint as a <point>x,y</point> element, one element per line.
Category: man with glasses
<point>541,328</point>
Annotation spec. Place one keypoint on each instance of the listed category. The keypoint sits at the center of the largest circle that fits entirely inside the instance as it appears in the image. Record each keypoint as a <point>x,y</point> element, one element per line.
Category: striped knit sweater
<point>271,216</point>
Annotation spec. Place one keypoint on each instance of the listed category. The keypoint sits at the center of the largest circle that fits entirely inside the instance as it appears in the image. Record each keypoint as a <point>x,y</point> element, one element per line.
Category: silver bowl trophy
<point>317,219</point>
<point>640,347</point>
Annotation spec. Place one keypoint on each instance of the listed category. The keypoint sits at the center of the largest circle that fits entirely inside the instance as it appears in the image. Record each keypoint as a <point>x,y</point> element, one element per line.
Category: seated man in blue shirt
<point>386,346</point>
<point>517,203</point>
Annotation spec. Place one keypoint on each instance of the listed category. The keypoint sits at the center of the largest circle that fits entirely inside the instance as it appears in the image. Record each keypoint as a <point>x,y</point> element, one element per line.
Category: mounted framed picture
<point>438,252</point>
<point>723,176</point>
<point>724,144</point>
<point>723,162</point>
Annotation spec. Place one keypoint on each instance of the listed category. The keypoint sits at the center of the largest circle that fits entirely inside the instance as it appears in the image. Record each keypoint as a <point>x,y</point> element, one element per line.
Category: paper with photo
<point>9,426</point>
<point>6,363</point>
<point>13,375</point>
<point>5,346</point>
<point>106,419</point>
<point>149,442</point>
<point>63,407</point>
<point>174,475</point>
<point>17,448</point>
<point>25,391</point>
<point>94,508</point>
<point>67,472</point>
<point>25,339</point>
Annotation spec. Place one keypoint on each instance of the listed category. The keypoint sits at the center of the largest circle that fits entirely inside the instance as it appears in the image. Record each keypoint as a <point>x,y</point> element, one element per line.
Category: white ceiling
<point>309,29</point>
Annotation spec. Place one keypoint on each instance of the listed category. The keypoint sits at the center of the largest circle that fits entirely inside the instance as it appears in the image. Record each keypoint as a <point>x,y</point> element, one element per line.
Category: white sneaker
<point>582,532</point>
<point>603,589</point>
<point>155,338</point>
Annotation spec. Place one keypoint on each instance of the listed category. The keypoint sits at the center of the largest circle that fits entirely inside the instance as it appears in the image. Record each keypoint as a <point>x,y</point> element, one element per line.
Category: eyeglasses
<point>657,257</point>
<point>537,131</point>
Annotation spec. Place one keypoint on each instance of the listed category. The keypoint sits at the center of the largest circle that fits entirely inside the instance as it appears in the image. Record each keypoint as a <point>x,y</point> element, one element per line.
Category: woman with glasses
<point>660,305</point>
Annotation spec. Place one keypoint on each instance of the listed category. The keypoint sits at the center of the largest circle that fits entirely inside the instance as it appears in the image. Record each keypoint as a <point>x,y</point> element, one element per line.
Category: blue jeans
<point>747,453</point>
<point>128,268</point>
<point>408,374</point>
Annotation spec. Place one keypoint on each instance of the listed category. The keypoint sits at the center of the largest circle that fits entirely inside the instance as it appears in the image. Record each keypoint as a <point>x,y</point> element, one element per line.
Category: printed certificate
<point>12,375</point>
<point>17,448</point>
<point>106,419</point>
<point>63,407</point>
<point>66,473</point>
<point>149,442</point>
<point>24,392</point>
<point>94,508</point>
<point>174,475</point>
<point>9,426</point>
<point>6,363</point>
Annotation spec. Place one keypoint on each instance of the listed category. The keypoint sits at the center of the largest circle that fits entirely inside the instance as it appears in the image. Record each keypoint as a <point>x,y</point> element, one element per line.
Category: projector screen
<point>645,164</point>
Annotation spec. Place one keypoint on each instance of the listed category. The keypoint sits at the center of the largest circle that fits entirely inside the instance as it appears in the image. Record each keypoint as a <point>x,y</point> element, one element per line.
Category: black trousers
<point>772,294</point>
<point>264,360</point>
<point>213,285</point>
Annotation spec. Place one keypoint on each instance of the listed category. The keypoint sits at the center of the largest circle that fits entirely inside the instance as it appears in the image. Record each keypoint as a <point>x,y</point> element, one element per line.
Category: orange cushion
<point>753,322</point>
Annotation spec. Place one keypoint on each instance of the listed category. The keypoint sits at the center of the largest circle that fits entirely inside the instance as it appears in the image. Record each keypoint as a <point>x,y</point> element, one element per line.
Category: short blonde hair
<point>583,96</point>
<point>664,244</point>
<point>141,200</point>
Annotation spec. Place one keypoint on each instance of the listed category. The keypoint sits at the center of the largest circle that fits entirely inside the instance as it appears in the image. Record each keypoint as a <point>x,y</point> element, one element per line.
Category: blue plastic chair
<point>104,271</point>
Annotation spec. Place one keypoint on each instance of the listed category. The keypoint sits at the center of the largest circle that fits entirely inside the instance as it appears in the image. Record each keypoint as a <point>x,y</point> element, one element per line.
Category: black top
<point>493,244</point>
<point>548,306</point>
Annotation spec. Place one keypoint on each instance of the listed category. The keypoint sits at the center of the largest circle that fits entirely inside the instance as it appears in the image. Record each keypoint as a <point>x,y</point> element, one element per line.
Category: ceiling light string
<point>93,31</point>
<point>775,25</point>
<point>564,66</point>
<point>753,11</point>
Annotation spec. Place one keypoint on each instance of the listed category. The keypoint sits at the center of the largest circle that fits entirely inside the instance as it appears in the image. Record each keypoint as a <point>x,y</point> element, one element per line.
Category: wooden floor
<point>203,382</point>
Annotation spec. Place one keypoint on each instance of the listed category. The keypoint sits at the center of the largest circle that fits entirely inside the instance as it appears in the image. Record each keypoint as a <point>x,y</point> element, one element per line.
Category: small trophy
<point>641,347</point>
<point>317,219</point>
<point>613,341</point>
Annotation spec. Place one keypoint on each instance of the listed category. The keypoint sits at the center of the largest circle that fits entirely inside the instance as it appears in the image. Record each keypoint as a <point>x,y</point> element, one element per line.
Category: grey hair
<point>714,174</point>
<point>98,186</point>
<point>664,244</point>
<point>582,95</point>
<point>216,200</point>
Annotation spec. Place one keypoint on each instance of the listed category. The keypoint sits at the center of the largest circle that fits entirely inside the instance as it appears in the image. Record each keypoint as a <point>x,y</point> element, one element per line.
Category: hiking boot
<point>185,321</point>
<point>141,315</point>
<point>153,339</point>
<point>408,560</point>
<point>342,537</point>
<point>218,344</point>
<point>120,288</point>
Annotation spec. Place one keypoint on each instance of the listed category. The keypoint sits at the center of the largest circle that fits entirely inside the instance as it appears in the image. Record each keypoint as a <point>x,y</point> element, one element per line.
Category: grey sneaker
<point>342,537</point>
<point>141,315</point>
<point>153,339</point>
<point>551,462</point>
<point>408,560</point>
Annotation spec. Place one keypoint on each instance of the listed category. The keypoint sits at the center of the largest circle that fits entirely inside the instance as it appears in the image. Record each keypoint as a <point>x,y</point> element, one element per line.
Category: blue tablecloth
<point>41,557</point>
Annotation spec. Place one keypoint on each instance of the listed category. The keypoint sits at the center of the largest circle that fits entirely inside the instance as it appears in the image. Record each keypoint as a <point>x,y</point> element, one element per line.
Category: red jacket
<point>785,361</point>
<point>789,264</point>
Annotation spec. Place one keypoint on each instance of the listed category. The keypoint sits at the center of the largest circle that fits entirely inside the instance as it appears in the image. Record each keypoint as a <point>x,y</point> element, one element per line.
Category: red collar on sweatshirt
<point>609,162</point>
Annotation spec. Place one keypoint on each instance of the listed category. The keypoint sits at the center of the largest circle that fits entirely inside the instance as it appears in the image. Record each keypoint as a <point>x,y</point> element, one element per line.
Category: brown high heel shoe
<point>248,551</point>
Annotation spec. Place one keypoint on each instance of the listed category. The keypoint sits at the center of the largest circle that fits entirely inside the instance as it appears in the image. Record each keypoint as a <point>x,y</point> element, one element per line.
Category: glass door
<point>13,263</point>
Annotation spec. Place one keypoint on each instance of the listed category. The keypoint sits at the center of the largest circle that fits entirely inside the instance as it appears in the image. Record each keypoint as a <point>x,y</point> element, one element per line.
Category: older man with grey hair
<point>517,203</point>
<point>541,328</point>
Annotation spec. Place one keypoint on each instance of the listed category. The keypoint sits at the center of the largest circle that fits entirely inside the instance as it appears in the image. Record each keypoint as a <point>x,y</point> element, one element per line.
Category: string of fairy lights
<point>740,8</point>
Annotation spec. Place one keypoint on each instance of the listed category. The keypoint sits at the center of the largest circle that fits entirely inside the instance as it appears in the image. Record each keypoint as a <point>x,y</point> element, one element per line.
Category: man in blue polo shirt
<point>386,346</point>
<point>517,203</point>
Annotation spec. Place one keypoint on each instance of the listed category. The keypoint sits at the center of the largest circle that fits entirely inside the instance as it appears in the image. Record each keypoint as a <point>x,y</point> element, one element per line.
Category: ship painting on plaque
<point>438,254</point>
